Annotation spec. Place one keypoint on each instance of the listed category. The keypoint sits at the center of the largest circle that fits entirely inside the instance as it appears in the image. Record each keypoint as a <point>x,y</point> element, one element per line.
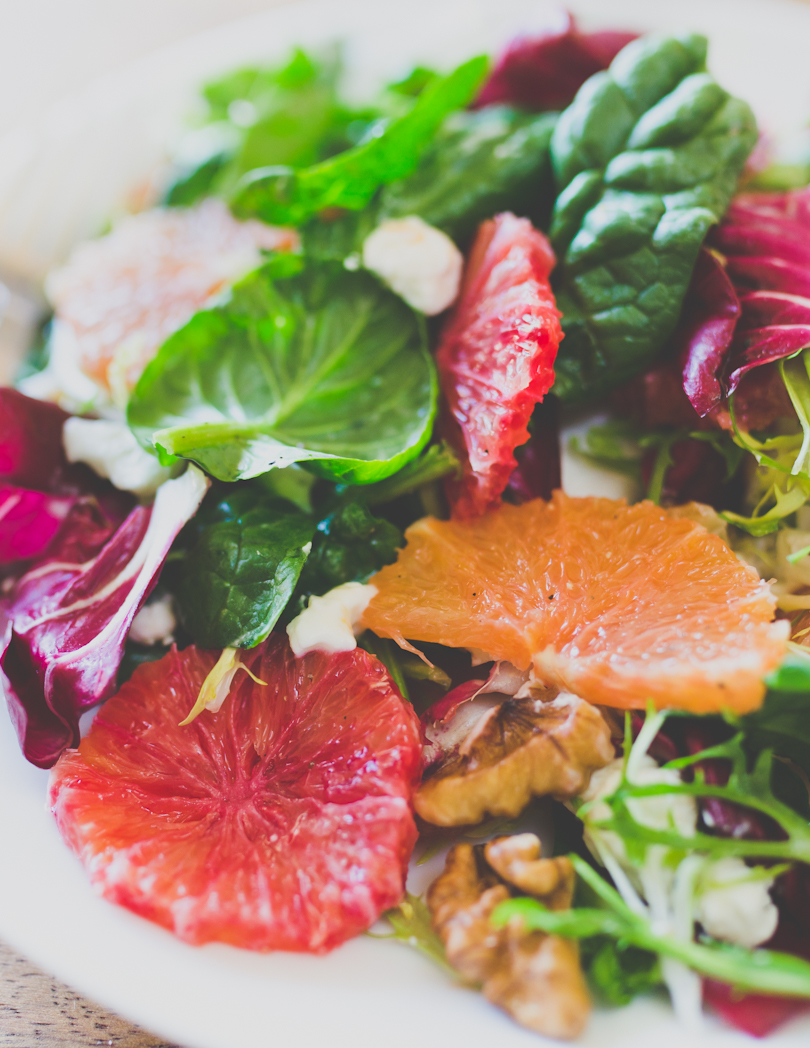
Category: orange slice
<point>618,604</point>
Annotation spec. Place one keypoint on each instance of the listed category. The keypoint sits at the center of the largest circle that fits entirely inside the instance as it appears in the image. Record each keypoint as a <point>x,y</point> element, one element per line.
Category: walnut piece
<point>517,860</point>
<point>536,978</point>
<point>517,749</point>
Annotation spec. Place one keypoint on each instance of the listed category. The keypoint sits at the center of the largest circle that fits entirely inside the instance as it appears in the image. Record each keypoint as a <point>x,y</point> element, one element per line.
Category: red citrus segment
<point>496,358</point>
<point>122,295</point>
<point>282,822</point>
<point>617,604</point>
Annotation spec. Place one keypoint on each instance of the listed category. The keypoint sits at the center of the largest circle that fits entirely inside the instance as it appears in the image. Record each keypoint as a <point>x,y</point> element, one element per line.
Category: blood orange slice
<point>496,358</point>
<point>617,604</point>
<point>282,822</point>
<point>120,297</point>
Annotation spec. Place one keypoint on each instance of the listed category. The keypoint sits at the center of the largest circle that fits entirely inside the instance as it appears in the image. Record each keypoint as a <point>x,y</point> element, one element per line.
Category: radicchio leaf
<point>545,72</point>
<point>707,325</point>
<point>31,453</point>
<point>63,627</point>
<point>29,521</point>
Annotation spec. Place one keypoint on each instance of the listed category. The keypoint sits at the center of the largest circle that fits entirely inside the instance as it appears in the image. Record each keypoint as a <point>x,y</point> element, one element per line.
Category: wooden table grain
<point>36,1011</point>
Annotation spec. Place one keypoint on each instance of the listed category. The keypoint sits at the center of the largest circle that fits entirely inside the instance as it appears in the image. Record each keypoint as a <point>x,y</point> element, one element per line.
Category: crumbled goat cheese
<point>735,904</point>
<point>418,261</point>
<point>155,623</point>
<point>328,623</point>
<point>111,449</point>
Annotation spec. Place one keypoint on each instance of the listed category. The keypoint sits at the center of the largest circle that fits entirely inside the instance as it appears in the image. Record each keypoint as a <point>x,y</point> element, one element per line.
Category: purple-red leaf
<point>546,72</point>
<point>64,624</point>
<point>709,318</point>
<point>29,521</point>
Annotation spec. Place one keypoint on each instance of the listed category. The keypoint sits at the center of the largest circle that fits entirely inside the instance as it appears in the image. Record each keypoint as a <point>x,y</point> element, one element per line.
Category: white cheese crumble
<point>155,623</point>
<point>110,448</point>
<point>418,261</point>
<point>328,623</point>
<point>735,904</point>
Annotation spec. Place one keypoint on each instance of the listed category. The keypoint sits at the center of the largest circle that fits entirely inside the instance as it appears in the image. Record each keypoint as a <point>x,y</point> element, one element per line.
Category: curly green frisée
<point>291,490</point>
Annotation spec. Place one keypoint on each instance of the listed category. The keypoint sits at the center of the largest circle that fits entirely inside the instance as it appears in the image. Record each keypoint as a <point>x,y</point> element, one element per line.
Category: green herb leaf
<point>646,158</point>
<point>350,179</point>
<point>308,364</point>
<point>478,164</point>
<point>242,569</point>
<point>260,116</point>
<point>619,973</point>
<point>759,971</point>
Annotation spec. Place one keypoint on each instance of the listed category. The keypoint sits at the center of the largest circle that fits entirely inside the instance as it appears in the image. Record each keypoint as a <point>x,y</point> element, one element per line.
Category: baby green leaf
<point>646,160</point>
<point>309,364</point>
<point>350,179</point>
<point>242,569</point>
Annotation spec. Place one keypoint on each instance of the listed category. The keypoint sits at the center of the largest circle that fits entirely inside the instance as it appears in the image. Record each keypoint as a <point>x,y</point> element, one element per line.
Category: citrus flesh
<point>281,822</point>
<point>122,295</point>
<point>496,357</point>
<point>621,605</point>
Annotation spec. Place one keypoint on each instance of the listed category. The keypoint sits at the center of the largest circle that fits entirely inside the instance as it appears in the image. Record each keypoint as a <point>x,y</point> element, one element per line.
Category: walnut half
<point>516,749</point>
<point>534,977</point>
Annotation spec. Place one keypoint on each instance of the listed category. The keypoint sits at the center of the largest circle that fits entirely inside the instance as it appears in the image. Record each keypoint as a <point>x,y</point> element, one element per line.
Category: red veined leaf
<point>63,626</point>
<point>29,521</point>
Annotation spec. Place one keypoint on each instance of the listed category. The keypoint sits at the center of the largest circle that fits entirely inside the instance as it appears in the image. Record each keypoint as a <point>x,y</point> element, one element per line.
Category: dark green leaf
<point>350,545</point>
<point>242,569</point>
<point>478,164</point>
<point>619,973</point>
<point>351,178</point>
<point>299,364</point>
<point>646,160</point>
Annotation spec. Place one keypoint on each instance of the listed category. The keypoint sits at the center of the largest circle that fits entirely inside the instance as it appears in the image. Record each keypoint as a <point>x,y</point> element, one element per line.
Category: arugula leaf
<point>299,363</point>
<point>478,164</point>
<point>242,569</point>
<point>350,179</point>
<point>760,971</point>
<point>646,160</point>
<point>262,116</point>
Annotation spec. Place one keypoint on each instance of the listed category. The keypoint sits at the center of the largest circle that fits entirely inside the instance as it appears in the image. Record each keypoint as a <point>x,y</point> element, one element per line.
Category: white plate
<point>57,181</point>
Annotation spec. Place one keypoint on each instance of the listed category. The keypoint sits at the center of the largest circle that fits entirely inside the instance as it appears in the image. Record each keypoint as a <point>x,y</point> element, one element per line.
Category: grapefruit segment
<point>617,604</point>
<point>282,822</point>
<point>496,358</point>
<point>121,296</point>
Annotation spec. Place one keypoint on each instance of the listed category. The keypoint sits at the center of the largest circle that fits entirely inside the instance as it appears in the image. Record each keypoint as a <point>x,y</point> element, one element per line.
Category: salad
<point>280,494</point>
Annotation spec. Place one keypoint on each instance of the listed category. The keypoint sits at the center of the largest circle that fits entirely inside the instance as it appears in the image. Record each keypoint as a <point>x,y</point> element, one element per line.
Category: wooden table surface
<point>36,1011</point>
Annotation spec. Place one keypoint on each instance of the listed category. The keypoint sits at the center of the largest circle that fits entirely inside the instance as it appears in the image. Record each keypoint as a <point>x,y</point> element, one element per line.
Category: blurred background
<point>51,47</point>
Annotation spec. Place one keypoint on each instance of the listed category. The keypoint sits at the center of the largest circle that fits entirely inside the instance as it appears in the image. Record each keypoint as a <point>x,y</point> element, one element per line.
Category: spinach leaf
<point>262,116</point>
<point>300,363</point>
<point>350,545</point>
<point>646,159</point>
<point>479,163</point>
<point>242,569</point>
<point>350,179</point>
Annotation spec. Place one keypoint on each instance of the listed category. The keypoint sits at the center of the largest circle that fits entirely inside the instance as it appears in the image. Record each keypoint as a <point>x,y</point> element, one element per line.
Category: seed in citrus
<point>617,604</point>
<point>119,297</point>
<point>282,822</point>
<point>496,358</point>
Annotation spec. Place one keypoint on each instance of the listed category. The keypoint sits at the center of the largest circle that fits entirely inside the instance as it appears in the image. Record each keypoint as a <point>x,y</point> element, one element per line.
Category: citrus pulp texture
<point>618,604</point>
<point>121,296</point>
<point>282,822</point>
<point>496,357</point>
